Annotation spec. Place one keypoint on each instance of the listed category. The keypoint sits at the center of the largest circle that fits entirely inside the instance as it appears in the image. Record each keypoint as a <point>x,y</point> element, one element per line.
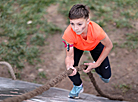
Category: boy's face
<point>79,25</point>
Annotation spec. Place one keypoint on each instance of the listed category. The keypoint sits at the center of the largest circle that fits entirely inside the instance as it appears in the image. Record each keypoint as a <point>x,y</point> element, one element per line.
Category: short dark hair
<point>79,11</point>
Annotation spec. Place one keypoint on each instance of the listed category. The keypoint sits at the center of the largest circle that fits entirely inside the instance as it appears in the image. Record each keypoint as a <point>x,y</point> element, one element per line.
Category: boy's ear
<point>88,20</point>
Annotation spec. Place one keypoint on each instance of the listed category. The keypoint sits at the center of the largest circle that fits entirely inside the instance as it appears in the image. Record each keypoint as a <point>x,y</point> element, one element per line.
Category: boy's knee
<point>106,75</point>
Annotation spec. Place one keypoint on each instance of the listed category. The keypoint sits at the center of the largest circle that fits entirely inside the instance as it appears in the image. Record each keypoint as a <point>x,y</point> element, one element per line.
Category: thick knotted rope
<point>55,81</point>
<point>111,97</point>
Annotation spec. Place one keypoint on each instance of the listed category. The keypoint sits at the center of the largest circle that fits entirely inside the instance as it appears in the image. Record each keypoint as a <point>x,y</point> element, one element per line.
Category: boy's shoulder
<point>68,30</point>
<point>94,25</point>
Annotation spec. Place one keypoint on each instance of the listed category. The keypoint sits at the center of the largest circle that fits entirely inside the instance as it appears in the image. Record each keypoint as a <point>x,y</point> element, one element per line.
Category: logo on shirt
<point>106,67</point>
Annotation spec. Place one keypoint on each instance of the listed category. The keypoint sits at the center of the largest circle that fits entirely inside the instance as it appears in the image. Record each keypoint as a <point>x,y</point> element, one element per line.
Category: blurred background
<point>31,41</point>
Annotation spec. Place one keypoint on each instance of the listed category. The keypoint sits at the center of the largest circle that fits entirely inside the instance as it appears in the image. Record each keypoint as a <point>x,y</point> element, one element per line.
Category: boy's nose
<point>75,27</point>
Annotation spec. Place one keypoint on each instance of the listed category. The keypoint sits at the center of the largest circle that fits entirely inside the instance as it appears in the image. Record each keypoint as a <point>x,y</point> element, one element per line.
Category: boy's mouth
<point>79,32</point>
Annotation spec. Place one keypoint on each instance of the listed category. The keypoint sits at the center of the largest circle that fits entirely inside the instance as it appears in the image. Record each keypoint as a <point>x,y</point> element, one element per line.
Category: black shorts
<point>104,69</point>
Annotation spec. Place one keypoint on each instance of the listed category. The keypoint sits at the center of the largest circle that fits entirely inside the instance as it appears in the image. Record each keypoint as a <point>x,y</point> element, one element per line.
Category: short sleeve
<point>69,36</point>
<point>100,33</point>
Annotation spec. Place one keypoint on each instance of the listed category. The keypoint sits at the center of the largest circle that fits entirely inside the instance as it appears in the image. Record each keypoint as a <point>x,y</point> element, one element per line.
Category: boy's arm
<point>107,48</point>
<point>69,60</point>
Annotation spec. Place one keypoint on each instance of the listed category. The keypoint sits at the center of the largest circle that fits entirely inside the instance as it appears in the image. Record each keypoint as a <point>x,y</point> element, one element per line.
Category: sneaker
<point>74,93</point>
<point>105,80</point>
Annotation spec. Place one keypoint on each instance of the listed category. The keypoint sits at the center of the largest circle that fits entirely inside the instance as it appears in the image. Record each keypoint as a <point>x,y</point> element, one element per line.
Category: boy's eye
<point>79,24</point>
<point>72,23</point>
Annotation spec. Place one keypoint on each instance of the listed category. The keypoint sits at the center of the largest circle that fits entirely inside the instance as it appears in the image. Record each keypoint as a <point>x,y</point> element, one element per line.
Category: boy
<point>83,34</point>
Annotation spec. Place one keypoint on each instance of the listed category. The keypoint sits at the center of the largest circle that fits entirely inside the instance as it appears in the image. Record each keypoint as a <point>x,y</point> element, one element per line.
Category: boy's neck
<point>85,32</point>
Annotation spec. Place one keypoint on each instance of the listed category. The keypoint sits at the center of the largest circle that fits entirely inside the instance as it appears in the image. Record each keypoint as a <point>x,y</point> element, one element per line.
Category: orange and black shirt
<point>94,34</point>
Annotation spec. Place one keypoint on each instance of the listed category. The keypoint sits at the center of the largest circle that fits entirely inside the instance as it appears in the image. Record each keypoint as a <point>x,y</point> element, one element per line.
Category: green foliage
<point>125,3</point>
<point>124,87</point>
<point>42,75</point>
<point>85,62</point>
<point>132,40</point>
<point>18,75</point>
<point>132,37</point>
<point>24,28</point>
<point>103,9</point>
<point>38,39</point>
<point>122,23</point>
<point>117,13</point>
<point>101,23</point>
<point>32,55</point>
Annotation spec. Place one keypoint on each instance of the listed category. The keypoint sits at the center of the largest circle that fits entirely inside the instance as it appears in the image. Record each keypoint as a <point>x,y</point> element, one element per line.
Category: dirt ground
<point>124,64</point>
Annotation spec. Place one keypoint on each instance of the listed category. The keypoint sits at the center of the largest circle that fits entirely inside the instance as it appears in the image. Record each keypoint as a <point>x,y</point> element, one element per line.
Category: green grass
<point>123,87</point>
<point>117,13</point>
<point>21,40</point>
<point>123,23</point>
<point>105,9</point>
<point>42,75</point>
<point>132,40</point>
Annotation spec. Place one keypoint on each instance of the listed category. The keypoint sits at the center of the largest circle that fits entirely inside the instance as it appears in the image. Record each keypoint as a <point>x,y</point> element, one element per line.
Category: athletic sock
<point>81,85</point>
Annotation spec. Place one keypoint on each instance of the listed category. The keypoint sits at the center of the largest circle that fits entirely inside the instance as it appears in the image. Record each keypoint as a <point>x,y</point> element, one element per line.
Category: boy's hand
<point>90,67</point>
<point>74,71</point>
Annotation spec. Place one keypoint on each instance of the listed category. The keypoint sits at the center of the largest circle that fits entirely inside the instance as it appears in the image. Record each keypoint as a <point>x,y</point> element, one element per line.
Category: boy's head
<point>79,18</point>
<point>79,11</point>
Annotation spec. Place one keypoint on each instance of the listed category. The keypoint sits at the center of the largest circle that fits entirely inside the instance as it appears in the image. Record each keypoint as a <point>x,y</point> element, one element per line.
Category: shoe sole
<point>78,96</point>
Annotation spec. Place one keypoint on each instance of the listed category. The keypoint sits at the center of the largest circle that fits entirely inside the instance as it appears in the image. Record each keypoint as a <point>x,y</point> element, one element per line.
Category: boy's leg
<point>76,78</point>
<point>104,69</point>
<point>77,82</point>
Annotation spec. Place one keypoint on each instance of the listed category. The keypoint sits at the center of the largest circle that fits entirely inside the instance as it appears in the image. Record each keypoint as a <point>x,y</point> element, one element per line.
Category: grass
<point>117,13</point>
<point>24,29</point>
<point>122,23</point>
<point>123,87</point>
<point>131,41</point>
<point>38,39</point>
<point>42,75</point>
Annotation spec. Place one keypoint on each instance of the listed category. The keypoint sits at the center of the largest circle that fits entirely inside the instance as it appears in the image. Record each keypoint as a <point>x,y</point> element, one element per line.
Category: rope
<point>100,92</point>
<point>55,81</point>
<point>10,69</point>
